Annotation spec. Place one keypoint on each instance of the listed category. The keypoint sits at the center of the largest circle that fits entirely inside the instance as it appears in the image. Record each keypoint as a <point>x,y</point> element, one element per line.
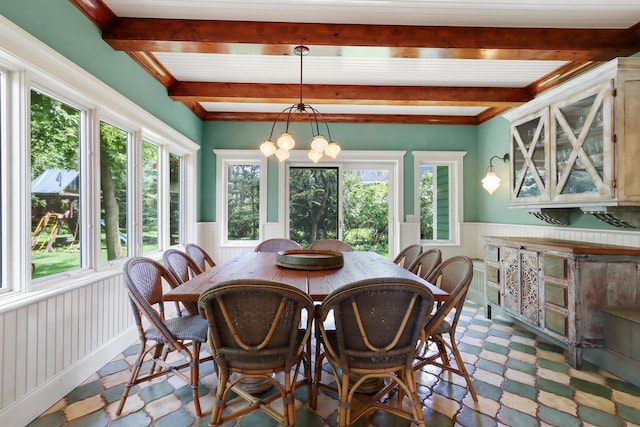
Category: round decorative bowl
<point>307,259</point>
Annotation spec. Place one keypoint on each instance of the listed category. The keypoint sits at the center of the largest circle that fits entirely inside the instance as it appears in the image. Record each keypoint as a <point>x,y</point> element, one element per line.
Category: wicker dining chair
<point>378,323</point>
<point>277,245</point>
<point>183,267</point>
<point>200,256</point>
<point>426,262</point>
<point>258,328</point>
<point>144,279</point>
<point>331,245</point>
<point>453,275</point>
<point>407,255</point>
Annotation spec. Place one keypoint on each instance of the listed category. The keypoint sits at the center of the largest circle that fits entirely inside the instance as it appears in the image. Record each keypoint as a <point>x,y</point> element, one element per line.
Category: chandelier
<point>320,146</point>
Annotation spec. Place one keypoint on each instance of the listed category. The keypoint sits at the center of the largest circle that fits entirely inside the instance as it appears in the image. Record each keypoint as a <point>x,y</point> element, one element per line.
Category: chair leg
<point>344,404</point>
<point>195,376</point>
<point>219,402</point>
<point>137,365</point>
<point>461,367</point>
<point>416,407</point>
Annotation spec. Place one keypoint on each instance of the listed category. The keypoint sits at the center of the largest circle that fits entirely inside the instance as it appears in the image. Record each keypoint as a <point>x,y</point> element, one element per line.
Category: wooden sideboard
<point>558,287</point>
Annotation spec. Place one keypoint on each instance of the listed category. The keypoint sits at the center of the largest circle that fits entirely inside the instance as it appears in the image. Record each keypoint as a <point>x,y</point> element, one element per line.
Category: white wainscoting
<point>52,345</point>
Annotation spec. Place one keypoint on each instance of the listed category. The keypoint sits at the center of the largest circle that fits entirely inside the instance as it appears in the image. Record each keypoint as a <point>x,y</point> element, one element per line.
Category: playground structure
<point>49,226</point>
<point>57,191</point>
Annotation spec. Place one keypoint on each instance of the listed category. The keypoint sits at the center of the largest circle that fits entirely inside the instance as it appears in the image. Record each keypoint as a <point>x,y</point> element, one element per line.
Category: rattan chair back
<point>200,256</point>
<point>277,245</point>
<point>453,275</point>
<point>331,245</point>
<point>255,331</point>
<point>183,267</point>
<point>408,255</point>
<point>144,280</point>
<point>426,262</point>
<point>378,323</point>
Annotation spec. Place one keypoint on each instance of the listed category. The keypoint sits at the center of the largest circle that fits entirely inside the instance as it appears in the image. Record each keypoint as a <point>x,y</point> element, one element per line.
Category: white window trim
<point>455,160</point>
<point>224,158</point>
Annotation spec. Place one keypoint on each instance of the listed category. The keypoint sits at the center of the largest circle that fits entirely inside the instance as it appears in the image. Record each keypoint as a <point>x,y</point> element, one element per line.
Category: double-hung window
<point>241,196</point>
<point>438,195</point>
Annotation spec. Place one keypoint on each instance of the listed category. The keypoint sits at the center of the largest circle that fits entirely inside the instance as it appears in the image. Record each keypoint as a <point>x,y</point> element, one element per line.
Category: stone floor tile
<point>94,419</point>
<point>163,406</point>
<point>488,377</point>
<point>519,403</point>
<point>555,376</point>
<point>553,417</point>
<point>522,356</point>
<point>591,387</point>
<point>521,377</point>
<point>494,357</point>
<point>82,407</point>
<point>592,377</point>
<point>555,388</point>
<point>551,355</point>
<point>115,379</point>
<point>522,390</point>
<point>443,405</point>
<point>598,418</point>
<point>58,406</point>
<point>524,340</point>
<point>597,402</point>
<point>557,402</point>
<point>180,418</point>
<point>479,328</point>
<point>498,340</point>
<point>133,404</point>
<point>513,418</point>
<point>470,418</point>
<point>485,406</point>
<point>478,342</point>
<point>625,399</point>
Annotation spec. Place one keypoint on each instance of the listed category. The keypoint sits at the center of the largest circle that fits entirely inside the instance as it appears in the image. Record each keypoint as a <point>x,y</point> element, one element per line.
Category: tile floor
<point>520,379</point>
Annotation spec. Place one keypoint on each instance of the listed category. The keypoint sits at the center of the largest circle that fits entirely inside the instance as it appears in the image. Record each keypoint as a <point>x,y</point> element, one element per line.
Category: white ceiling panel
<point>343,109</point>
<point>363,71</point>
<point>489,13</point>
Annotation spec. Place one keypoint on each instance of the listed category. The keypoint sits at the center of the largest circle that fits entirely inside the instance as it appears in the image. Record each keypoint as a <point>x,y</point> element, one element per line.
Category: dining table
<point>357,265</point>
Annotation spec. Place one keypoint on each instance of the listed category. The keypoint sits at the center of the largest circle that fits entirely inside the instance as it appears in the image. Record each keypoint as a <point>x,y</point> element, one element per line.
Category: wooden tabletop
<point>319,283</point>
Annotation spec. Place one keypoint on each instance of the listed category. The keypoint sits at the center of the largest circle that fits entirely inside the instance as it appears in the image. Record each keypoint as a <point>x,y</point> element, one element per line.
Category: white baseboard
<point>24,410</point>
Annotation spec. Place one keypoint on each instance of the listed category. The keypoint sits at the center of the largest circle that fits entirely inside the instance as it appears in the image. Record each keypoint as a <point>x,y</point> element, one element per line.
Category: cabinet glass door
<point>529,161</point>
<point>581,158</point>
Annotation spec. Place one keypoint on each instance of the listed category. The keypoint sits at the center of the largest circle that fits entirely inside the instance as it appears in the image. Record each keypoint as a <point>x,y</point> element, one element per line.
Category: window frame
<point>27,63</point>
<point>224,158</point>
<point>455,161</point>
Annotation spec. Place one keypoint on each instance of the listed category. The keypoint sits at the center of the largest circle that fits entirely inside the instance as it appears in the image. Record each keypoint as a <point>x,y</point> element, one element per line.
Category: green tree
<point>113,185</point>
<point>243,203</point>
<point>426,203</point>
<point>365,211</point>
<point>313,204</point>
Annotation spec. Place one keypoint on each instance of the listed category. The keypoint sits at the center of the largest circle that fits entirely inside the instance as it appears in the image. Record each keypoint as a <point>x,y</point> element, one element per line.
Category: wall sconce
<point>491,181</point>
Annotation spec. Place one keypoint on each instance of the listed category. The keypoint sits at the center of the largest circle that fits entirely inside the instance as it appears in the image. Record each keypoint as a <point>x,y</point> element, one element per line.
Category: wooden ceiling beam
<point>182,35</point>
<point>346,118</point>
<point>344,94</point>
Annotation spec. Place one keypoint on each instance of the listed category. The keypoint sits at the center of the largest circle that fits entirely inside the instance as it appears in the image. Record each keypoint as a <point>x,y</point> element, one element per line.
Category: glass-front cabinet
<point>581,161</point>
<point>578,145</point>
<point>529,159</point>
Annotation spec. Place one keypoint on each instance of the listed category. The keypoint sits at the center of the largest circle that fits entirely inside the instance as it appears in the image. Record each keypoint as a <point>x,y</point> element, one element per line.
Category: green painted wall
<point>228,135</point>
<point>64,28</point>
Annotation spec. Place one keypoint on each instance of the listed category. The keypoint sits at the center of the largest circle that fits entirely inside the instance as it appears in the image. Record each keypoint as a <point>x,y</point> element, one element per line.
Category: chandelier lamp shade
<point>491,181</point>
<point>320,145</point>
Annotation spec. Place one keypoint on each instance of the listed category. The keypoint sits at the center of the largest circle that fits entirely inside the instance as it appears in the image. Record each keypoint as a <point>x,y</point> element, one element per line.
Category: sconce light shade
<point>491,182</point>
